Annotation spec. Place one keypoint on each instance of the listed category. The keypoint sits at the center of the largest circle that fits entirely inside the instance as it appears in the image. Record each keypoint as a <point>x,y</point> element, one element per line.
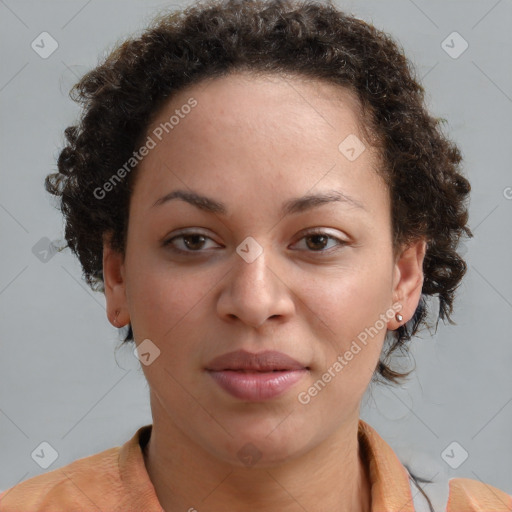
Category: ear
<point>115,285</point>
<point>408,281</point>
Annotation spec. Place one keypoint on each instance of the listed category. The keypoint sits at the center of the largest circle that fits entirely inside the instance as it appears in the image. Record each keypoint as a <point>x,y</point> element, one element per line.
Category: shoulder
<point>78,483</point>
<point>471,495</point>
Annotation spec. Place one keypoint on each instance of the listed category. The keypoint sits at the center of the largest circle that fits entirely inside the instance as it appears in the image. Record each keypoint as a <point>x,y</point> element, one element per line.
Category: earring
<point>399,317</point>
<point>115,319</point>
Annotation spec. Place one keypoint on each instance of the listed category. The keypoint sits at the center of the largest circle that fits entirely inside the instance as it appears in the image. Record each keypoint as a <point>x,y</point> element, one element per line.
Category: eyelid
<point>186,232</point>
<point>323,231</point>
<point>320,231</point>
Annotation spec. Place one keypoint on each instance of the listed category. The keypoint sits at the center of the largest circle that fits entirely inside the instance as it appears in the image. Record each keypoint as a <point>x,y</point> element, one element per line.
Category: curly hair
<point>304,38</point>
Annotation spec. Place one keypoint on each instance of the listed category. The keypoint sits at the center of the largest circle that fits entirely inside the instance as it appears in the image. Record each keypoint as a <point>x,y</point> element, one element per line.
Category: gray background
<point>61,380</point>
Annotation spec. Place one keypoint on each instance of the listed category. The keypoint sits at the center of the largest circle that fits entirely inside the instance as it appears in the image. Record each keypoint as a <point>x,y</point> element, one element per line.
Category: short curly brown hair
<point>304,38</point>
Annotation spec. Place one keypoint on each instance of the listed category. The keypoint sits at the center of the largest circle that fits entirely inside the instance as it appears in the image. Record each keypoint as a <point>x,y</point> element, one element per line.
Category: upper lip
<point>262,361</point>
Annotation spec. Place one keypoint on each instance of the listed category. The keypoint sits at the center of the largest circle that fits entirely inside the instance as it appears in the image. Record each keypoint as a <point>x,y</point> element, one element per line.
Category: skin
<point>235,147</point>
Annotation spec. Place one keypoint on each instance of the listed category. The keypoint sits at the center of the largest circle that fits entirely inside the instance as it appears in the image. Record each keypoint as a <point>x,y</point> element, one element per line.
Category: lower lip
<point>256,386</point>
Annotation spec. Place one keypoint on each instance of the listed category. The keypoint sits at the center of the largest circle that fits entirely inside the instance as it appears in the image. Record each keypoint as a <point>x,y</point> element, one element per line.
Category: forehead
<point>267,96</point>
<point>254,131</point>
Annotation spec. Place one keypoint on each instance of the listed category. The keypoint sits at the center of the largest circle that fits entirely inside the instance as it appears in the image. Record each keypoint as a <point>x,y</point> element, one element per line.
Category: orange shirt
<point>116,480</point>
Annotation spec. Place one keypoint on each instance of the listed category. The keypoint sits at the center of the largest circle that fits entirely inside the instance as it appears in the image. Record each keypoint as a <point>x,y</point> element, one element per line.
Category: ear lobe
<point>115,285</point>
<point>409,277</point>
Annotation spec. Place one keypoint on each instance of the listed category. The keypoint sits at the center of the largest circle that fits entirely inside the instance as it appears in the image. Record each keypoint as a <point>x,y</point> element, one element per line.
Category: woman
<point>263,198</point>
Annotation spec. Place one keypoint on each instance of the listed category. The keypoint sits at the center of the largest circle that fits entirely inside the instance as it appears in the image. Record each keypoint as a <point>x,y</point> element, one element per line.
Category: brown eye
<point>194,242</point>
<point>317,242</point>
<point>189,242</point>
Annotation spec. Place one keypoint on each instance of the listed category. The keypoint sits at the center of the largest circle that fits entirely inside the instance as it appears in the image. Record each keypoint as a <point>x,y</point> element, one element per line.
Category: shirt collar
<point>389,478</point>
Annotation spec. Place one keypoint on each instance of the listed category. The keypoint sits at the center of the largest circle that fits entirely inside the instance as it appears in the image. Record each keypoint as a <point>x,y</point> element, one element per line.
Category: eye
<point>318,240</point>
<point>192,242</point>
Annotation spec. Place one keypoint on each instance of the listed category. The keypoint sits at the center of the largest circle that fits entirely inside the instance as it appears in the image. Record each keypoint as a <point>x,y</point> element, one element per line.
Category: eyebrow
<point>294,205</point>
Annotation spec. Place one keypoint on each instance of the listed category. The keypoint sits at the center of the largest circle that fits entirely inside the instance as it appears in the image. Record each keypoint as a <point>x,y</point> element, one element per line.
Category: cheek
<point>352,308</point>
<point>165,306</point>
<point>349,299</point>
<point>162,300</point>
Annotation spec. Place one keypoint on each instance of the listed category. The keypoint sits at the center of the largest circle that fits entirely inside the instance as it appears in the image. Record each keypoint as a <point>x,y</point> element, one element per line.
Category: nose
<point>254,292</point>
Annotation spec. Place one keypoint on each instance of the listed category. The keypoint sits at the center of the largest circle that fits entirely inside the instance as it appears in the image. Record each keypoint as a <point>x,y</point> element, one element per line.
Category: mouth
<point>257,386</point>
<point>256,377</point>
<point>254,370</point>
<point>268,361</point>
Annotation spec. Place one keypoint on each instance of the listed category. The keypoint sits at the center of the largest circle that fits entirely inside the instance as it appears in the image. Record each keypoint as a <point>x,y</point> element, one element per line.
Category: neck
<point>331,477</point>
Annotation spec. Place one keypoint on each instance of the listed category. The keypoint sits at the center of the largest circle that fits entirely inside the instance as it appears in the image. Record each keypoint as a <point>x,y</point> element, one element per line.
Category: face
<point>316,281</point>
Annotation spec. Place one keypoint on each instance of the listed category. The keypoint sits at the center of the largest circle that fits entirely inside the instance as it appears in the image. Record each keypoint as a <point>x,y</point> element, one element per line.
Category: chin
<point>261,445</point>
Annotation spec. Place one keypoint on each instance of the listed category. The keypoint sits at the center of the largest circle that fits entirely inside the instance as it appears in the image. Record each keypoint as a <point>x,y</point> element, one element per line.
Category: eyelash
<point>341,243</point>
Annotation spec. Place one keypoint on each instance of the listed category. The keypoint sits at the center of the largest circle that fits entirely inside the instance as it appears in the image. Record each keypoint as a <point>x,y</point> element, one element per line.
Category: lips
<point>267,361</point>
<point>256,377</point>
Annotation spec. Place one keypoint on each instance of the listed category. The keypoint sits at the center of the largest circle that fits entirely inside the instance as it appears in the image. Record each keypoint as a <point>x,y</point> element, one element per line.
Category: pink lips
<point>256,377</point>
